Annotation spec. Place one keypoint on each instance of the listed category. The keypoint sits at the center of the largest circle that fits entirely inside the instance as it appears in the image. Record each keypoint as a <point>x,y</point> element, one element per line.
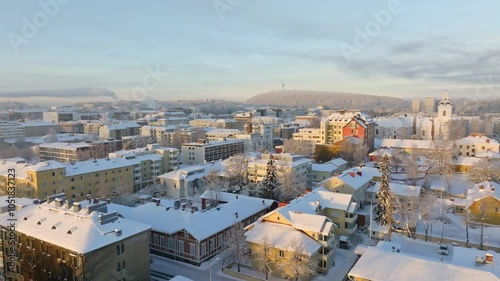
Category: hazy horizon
<point>233,50</point>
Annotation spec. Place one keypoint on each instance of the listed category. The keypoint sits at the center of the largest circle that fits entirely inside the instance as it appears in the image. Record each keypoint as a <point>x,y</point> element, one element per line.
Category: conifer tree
<point>384,207</point>
<point>268,185</point>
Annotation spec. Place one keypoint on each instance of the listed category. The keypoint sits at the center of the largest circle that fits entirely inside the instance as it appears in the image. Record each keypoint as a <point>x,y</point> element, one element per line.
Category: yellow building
<point>61,239</point>
<point>354,181</point>
<point>76,180</point>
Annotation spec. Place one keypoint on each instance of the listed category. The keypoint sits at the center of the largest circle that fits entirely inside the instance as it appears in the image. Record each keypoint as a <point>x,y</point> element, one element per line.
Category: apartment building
<point>72,152</point>
<point>71,127</point>
<point>186,181</point>
<point>11,130</point>
<point>205,151</point>
<point>219,134</point>
<point>477,144</point>
<point>76,179</point>
<point>150,162</point>
<point>159,134</point>
<point>286,165</point>
<point>117,131</point>
<point>60,239</point>
<point>295,229</point>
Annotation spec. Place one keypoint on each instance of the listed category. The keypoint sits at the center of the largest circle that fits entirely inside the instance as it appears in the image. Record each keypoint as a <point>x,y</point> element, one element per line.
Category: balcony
<point>351,218</point>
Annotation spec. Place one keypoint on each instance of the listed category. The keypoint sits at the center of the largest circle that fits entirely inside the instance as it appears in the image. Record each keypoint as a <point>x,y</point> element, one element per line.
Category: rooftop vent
<point>118,232</point>
<point>236,214</point>
<point>107,218</point>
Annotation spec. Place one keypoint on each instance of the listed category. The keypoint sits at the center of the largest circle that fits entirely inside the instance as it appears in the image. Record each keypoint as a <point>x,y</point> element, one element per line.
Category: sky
<point>235,49</point>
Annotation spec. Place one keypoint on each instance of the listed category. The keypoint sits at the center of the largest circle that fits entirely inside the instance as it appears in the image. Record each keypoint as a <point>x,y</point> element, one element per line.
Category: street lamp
<point>211,264</point>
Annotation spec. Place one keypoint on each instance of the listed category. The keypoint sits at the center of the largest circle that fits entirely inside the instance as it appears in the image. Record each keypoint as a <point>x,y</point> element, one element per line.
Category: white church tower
<point>442,123</point>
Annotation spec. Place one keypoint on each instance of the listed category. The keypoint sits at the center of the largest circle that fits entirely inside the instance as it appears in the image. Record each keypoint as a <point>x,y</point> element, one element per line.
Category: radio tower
<point>283,86</point>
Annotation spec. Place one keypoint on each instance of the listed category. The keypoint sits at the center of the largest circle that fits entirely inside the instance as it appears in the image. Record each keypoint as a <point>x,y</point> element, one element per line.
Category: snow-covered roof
<point>357,177</point>
<point>483,189</point>
<point>66,145</point>
<point>193,172</point>
<point>394,122</point>
<point>282,237</point>
<point>329,166</point>
<point>407,144</point>
<point>467,161</point>
<point>476,139</point>
<point>97,165</point>
<point>378,265</point>
<point>77,231</point>
<point>180,278</point>
<point>398,189</point>
<point>338,162</point>
<point>200,225</point>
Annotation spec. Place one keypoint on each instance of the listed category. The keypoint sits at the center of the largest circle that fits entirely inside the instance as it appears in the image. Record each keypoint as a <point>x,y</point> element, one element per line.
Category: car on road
<point>344,242</point>
<point>443,249</point>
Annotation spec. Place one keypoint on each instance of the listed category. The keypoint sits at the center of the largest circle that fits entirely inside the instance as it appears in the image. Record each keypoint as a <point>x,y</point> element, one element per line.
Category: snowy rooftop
<point>476,139</point>
<point>180,278</point>
<point>282,237</point>
<point>378,265</point>
<point>467,161</point>
<point>394,122</point>
<point>193,172</point>
<point>200,225</point>
<point>212,143</point>
<point>407,144</point>
<point>97,165</point>
<point>483,189</point>
<point>66,145</point>
<point>357,177</point>
<point>77,231</point>
<point>398,189</point>
<point>329,166</point>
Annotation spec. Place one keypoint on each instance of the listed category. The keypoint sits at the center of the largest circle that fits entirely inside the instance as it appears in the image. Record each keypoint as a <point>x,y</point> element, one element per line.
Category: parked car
<point>443,249</point>
<point>344,242</point>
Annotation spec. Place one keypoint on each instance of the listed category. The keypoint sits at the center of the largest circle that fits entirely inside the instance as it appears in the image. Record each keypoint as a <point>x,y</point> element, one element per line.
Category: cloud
<point>61,93</point>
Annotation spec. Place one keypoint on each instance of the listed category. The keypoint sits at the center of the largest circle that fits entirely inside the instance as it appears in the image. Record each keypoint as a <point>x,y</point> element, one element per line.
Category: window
<point>122,248</point>
<point>203,248</point>
<point>171,243</point>
<point>497,210</point>
<point>118,267</point>
<point>282,254</point>
<point>117,249</point>
<point>181,246</point>
<point>192,249</point>
<point>123,265</point>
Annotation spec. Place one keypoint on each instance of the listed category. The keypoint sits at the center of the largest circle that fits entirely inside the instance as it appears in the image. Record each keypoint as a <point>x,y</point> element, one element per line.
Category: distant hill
<point>332,100</point>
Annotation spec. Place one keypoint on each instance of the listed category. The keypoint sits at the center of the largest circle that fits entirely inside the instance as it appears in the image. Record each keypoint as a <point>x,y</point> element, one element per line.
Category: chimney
<point>352,174</point>
<point>488,258</point>
<point>59,202</point>
<point>96,200</point>
<point>236,196</point>
<point>263,202</point>
<point>77,207</point>
<point>236,214</point>
<point>89,198</point>
<point>487,140</point>
<point>281,204</point>
<point>360,173</point>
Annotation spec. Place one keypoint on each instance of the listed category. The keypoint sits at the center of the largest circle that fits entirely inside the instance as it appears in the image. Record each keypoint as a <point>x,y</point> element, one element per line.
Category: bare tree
<point>468,217</point>
<point>114,191</point>
<point>405,211</point>
<point>485,170</point>
<point>458,129</point>
<point>237,246</point>
<point>354,153</point>
<point>314,122</point>
<point>296,264</point>
<point>236,169</point>
<point>301,147</point>
<point>398,158</point>
<point>51,136</point>
<point>213,184</point>
<point>441,155</point>
<point>412,167</point>
<point>290,184</point>
<point>425,209</point>
<point>264,256</point>
<point>176,139</point>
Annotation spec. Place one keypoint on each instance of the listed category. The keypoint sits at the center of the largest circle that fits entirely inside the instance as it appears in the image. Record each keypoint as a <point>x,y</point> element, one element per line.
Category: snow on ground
<point>456,229</point>
<point>202,272</point>
<point>460,183</point>
<point>344,261</point>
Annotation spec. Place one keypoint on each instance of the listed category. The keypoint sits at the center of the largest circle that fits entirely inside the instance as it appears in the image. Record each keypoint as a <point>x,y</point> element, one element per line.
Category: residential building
<point>220,134</point>
<point>39,128</point>
<point>477,143</point>
<point>61,239</point>
<point>312,135</point>
<point>71,127</point>
<point>406,194</point>
<point>252,142</point>
<point>71,152</point>
<point>186,181</point>
<point>430,105</point>
<point>265,129</point>
<point>11,130</point>
<point>399,127</point>
<point>354,181</point>
<point>482,202</point>
<point>159,134</point>
<point>416,106</point>
<point>117,131</point>
<point>286,165</point>
<point>92,128</point>
<point>300,227</point>
<point>76,179</point>
<point>205,151</point>
<point>328,169</point>
<point>187,237</point>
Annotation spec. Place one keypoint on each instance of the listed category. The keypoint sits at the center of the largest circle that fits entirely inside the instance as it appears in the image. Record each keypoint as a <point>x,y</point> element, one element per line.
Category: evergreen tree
<point>384,208</point>
<point>268,185</point>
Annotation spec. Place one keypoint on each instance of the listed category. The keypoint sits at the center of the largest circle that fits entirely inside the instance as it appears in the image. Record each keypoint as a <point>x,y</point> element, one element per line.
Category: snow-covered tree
<point>213,184</point>
<point>485,170</point>
<point>290,185</point>
<point>236,169</point>
<point>264,257</point>
<point>425,209</point>
<point>269,184</point>
<point>237,246</point>
<point>412,167</point>
<point>384,207</point>
<point>301,147</point>
<point>441,155</point>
